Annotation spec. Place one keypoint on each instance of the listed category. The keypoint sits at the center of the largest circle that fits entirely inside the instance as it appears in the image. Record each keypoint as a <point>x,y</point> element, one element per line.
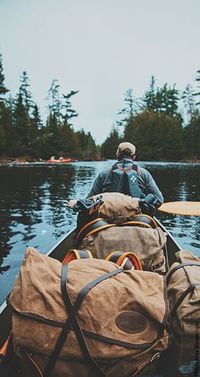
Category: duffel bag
<point>183,290</point>
<point>147,243</point>
<point>86,318</point>
<point>118,207</point>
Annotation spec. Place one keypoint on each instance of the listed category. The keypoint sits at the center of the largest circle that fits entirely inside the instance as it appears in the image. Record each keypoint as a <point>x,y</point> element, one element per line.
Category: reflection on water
<point>180,182</point>
<point>33,209</point>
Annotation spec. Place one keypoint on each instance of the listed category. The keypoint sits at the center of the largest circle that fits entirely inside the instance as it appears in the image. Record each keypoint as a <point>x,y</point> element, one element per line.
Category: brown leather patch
<point>131,322</point>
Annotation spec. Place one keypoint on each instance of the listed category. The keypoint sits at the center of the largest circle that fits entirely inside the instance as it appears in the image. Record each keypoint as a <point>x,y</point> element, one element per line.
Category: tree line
<point>157,125</point>
<point>24,134</point>
<point>164,124</point>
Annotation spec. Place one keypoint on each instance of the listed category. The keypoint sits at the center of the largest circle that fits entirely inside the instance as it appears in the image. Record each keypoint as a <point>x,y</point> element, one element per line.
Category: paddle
<point>181,208</point>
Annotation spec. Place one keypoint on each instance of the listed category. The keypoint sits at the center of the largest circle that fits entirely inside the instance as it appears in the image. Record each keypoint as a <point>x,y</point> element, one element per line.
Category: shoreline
<point>6,161</point>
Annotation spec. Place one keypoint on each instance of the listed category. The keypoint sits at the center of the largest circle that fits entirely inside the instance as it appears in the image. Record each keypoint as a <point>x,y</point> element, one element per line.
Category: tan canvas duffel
<point>147,243</point>
<point>183,290</point>
<point>118,207</point>
<point>104,321</point>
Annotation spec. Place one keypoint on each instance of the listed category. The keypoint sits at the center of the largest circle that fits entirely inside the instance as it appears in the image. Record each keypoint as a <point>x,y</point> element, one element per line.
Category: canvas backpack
<point>117,207</point>
<point>103,320</point>
<point>183,290</point>
<point>141,235</point>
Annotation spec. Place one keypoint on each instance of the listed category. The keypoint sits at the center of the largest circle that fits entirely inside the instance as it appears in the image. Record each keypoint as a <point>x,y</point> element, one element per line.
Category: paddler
<point>127,177</point>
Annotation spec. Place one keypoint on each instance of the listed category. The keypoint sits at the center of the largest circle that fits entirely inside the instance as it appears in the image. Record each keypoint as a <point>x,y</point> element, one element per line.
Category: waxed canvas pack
<point>183,290</point>
<point>147,243</point>
<point>118,207</point>
<point>123,317</point>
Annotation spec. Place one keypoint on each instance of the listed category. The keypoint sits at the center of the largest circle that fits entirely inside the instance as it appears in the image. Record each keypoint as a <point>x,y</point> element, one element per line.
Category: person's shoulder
<point>144,172</point>
<point>104,172</point>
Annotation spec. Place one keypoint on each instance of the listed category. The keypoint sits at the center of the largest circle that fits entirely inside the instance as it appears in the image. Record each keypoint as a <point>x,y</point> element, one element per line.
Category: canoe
<point>58,252</point>
<point>60,161</point>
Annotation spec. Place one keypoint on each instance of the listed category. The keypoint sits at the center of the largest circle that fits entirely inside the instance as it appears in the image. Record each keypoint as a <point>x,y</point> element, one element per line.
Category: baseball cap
<point>126,147</point>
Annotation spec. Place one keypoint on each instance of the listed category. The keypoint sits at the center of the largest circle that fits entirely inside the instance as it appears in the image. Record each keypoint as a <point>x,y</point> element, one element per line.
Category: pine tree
<point>131,107</point>
<point>109,147</point>
<point>3,110</point>
<point>25,93</point>
<point>86,147</point>
<point>21,124</point>
<point>192,136</point>
<point>156,135</point>
<point>197,94</point>
<point>68,112</point>
<point>34,132</point>
<point>55,104</point>
<point>52,132</point>
<point>23,107</point>
<point>3,89</point>
<point>163,100</point>
<point>150,96</point>
<point>188,99</point>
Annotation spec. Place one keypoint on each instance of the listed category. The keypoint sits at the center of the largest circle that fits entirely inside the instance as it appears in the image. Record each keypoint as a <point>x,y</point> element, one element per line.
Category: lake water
<point>33,210</point>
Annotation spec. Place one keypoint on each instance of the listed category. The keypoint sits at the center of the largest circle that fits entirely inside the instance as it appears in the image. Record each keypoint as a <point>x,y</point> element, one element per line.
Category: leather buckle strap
<point>91,228</point>
<point>76,254</point>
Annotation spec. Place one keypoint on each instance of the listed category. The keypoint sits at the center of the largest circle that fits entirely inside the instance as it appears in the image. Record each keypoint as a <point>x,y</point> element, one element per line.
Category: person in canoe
<point>126,177</point>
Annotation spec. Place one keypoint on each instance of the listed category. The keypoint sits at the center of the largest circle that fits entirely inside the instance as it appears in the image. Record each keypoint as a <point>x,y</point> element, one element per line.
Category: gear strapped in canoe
<point>181,208</point>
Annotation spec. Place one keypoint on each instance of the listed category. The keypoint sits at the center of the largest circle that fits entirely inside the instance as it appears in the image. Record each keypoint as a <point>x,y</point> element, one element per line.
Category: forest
<point>164,124</point>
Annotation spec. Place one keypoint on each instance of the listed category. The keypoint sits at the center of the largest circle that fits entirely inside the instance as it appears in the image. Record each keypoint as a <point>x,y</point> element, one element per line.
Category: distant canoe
<point>60,161</point>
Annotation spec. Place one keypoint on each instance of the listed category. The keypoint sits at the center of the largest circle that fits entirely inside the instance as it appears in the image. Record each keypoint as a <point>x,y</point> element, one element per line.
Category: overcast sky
<point>102,48</point>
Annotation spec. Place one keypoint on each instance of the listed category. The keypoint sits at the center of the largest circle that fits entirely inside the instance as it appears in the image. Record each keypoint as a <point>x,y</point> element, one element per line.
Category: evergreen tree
<point>86,145</point>
<point>21,124</point>
<point>3,89</point>
<point>131,107</point>
<point>34,132</point>
<point>60,137</point>
<point>157,136</point>
<point>6,124</point>
<point>163,100</point>
<point>52,133</point>
<point>188,99</point>
<point>25,93</point>
<point>150,96</point>
<point>55,104</point>
<point>68,112</point>
<point>197,94</point>
<point>109,147</point>
<point>192,137</point>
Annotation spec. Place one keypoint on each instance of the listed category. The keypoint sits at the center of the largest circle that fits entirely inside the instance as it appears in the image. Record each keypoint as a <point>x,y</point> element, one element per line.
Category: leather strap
<point>91,228</point>
<point>98,224</point>
<point>191,288</point>
<point>143,220</point>
<point>76,254</point>
<point>182,265</point>
<point>127,261</point>
<point>73,322</point>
